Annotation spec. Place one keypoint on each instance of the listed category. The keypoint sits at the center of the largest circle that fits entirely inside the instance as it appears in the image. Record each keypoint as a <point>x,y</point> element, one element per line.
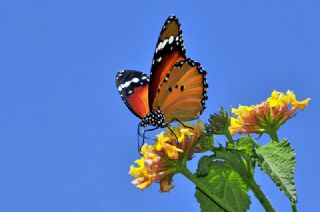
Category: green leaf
<point>277,159</point>
<point>233,159</point>
<point>221,173</point>
<point>245,144</point>
<point>204,166</point>
<point>206,143</point>
<point>226,184</point>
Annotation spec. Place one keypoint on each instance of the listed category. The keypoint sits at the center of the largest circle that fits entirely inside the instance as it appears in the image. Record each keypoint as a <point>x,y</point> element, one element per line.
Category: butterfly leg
<point>177,142</point>
<point>143,137</point>
<point>139,133</point>
<point>148,130</point>
<point>180,122</point>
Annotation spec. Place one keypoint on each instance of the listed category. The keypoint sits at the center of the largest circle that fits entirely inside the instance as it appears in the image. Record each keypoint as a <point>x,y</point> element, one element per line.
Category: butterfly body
<point>154,118</point>
<point>176,89</point>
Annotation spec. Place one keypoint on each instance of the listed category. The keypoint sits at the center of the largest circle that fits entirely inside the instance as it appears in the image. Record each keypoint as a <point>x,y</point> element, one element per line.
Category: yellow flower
<point>160,161</point>
<point>242,110</point>
<point>279,99</point>
<point>137,171</point>
<point>185,132</point>
<point>143,178</point>
<point>297,104</point>
<point>162,143</point>
<point>267,116</point>
<point>235,125</point>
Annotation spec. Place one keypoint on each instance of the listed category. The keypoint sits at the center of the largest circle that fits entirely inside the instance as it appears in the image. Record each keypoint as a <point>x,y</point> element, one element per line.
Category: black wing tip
<point>118,76</point>
<point>173,17</point>
<point>170,19</point>
<point>119,73</point>
<point>124,75</point>
<point>124,72</point>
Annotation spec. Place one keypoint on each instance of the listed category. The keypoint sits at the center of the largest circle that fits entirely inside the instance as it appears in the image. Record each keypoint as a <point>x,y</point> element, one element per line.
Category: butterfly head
<point>154,118</point>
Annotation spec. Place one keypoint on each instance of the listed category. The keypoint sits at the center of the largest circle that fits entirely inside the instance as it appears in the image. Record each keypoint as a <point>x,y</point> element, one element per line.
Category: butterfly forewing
<point>183,92</point>
<point>133,87</point>
<point>169,50</point>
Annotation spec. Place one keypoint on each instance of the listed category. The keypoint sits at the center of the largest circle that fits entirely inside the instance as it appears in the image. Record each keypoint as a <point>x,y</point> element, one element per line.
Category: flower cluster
<point>160,161</point>
<point>268,116</point>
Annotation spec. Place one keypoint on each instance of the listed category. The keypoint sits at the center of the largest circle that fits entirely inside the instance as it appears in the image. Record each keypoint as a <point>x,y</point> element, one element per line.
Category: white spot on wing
<point>127,84</point>
<point>135,80</point>
<point>161,45</point>
<point>171,39</point>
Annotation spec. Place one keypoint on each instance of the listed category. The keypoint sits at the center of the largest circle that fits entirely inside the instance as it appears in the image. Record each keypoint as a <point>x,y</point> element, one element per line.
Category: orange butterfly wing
<point>183,92</point>
<point>169,51</point>
<point>133,87</point>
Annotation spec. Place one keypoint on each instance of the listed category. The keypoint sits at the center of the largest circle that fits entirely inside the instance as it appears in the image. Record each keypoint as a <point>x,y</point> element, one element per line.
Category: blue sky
<point>66,138</point>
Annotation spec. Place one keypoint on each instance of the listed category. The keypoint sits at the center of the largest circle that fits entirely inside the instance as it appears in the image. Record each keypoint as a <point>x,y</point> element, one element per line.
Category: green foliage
<point>204,166</point>
<point>228,174</point>
<point>206,143</point>
<point>218,123</point>
<point>235,160</point>
<point>245,144</point>
<point>223,182</point>
<point>277,159</point>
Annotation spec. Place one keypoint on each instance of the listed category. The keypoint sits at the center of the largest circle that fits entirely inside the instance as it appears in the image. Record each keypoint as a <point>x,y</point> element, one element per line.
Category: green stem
<point>260,195</point>
<point>252,184</point>
<point>294,207</point>
<point>273,135</point>
<point>185,171</point>
<point>229,136</point>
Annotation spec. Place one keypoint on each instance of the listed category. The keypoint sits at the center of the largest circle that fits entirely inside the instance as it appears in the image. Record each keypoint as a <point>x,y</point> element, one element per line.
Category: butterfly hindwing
<point>183,92</point>
<point>133,87</point>
<point>169,50</point>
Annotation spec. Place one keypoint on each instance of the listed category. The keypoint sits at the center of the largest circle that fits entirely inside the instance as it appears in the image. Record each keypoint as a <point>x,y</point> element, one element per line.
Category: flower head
<point>267,116</point>
<point>160,161</point>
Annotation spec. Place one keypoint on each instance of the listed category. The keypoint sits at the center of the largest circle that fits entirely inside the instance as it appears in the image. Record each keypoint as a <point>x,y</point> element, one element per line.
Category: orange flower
<point>161,160</point>
<point>267,116</point>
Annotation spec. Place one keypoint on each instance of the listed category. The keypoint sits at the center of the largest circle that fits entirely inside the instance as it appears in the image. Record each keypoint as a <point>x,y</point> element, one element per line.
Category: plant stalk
<point>252,183</point>
<point>204,189</point>
<point>229,137</point>
<point>273,135</point>
<point>260,195</point>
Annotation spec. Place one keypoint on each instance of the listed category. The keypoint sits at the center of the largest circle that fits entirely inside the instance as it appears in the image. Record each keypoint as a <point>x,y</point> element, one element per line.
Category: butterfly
<point>176,89</point>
